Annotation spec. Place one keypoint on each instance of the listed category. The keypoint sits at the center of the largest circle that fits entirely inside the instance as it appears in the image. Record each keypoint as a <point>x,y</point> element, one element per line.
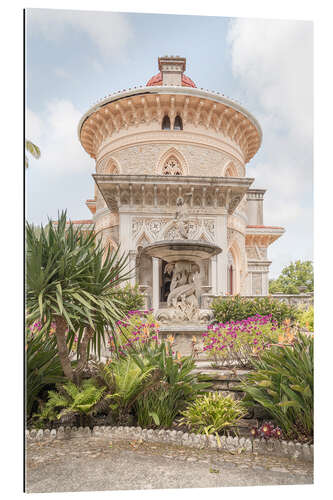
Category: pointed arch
<point>172,162</point>
<point>230,170</point>
<point>108,166</point>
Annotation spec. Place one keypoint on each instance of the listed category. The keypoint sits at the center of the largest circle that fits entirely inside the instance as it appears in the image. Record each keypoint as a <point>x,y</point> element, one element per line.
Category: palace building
<point>168,139</point>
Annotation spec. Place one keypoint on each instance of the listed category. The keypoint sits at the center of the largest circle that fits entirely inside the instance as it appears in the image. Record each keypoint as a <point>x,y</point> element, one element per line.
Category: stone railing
<point>302,299</point>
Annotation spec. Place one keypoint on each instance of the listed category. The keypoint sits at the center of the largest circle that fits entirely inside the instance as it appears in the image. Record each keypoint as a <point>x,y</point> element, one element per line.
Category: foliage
<point>282,382</point>
<point>238,308</point>
<point>131,297</point>
<point>297,274</point>
<point>33,150</point>
<point>212,413</point>
<point>71,401</point>
<point>173,384</point>
<point>236,342</point>
<point>43,367</point>
<point>72,282</point>
<point>266,430</point>
<point>134,331</point>
<point>306,319</point>
<point>124,380</point>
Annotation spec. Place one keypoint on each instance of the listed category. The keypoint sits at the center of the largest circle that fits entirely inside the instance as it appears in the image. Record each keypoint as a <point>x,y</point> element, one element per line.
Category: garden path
<point>97,464</point>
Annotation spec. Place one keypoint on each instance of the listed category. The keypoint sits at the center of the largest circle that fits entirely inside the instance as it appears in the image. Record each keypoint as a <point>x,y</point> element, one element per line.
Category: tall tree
<point>72,282</point>
<point>296,277</point>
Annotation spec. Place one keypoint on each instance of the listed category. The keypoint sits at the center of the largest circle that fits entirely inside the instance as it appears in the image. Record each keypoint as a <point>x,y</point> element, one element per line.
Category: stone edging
<point>261,446</point>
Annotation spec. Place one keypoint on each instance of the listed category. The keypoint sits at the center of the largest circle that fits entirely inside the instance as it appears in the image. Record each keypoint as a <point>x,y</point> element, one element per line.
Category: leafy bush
<point>173,385</point>
<point>71,401</point>
<point>282,382</point>
<point>306,319</point>
<point>212,413</point>
<point>236,342</point>
<point>238,308</point>
<point>131,297</point>
<point>124,380</point>
<point>43,367</point>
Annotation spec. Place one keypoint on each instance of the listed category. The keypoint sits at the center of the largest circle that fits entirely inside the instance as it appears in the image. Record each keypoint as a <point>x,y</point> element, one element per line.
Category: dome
<point>157,80</point>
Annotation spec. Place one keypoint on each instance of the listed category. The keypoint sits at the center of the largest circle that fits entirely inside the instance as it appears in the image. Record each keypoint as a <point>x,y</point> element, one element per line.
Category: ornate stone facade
<point>168,139</point>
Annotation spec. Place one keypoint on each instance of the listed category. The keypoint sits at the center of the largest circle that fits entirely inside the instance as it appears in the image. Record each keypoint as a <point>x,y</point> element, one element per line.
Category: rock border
<point>276,448</point>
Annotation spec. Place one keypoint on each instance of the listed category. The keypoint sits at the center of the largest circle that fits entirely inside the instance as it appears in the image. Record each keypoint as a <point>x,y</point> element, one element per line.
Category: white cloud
<point>109,31</point>
<point>272,64</point>
<point>274,59</point>
<point>55,132</point>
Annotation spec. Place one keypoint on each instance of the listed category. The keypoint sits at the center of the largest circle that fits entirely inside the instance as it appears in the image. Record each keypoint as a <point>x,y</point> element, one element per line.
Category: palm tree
<point>33,150</point>
<point>73,283</point>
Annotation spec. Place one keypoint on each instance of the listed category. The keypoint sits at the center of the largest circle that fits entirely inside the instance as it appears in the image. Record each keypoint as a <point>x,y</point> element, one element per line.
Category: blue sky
<point>74,58</point>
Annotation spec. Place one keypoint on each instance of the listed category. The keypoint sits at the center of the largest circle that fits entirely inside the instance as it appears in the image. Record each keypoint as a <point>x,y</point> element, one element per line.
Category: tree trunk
<point>83,353</point>
<point>60,334</point>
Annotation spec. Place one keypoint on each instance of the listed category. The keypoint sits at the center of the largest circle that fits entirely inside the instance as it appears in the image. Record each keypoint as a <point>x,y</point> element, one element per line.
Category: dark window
<point>166,123</point>
<point>178,125</point>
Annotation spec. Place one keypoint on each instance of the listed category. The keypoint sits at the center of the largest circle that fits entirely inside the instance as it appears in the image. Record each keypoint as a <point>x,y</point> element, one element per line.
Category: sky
<point>75,58</point>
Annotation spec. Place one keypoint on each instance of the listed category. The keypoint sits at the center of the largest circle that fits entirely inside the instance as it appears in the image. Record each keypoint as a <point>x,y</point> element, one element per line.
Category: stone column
<point>156,284</point>
<point>213,275</point>
<point>222,258</point>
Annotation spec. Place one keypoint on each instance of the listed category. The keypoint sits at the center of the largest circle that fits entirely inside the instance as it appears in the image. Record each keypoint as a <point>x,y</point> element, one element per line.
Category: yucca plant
<point>43,368</point>
<point>212,413</point>
<point>282,382</point>
<point>73,282</point>
<point>72,401</point>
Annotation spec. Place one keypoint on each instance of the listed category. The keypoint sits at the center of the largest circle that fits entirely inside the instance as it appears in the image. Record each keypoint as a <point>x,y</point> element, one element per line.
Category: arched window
<point>166,123</point>
<point>172,167</point>
<point>230,274</point>
<point>178,124</point>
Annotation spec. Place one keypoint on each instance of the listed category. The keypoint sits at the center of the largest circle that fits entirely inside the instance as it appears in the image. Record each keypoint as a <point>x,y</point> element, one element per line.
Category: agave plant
<point>282,382</point>
<point>43,368</point>
<point>72,282</point>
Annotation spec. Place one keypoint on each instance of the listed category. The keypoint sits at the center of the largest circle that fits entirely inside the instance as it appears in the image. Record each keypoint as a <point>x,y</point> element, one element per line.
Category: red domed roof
<point>157,80</point>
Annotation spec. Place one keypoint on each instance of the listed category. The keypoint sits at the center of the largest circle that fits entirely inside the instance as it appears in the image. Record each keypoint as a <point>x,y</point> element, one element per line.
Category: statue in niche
<point>182,215</point>
<point>184,287</point>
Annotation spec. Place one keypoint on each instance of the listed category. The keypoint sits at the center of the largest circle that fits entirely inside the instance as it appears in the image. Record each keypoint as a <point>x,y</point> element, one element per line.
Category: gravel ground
<point>99,464</point>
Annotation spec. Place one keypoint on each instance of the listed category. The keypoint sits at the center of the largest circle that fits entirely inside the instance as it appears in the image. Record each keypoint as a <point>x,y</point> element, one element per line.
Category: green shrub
<point>172,386</point>
<point>43,368</point>
<point>238,308</point>
<point>124,380</point>
<point>306,319</point>
<point>212,413</point>
<point>71,401</point>
<point>282,382</point>
<point>131,297</point>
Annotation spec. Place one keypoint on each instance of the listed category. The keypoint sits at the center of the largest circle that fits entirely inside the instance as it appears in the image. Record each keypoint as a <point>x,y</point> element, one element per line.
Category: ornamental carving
<point>172,167</point>
<point>167,228</point>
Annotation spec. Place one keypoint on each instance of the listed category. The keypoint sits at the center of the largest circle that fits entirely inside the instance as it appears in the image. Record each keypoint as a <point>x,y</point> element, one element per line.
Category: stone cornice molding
<point>142,191</point>
<point>199,107</point>
<point>262,236</point>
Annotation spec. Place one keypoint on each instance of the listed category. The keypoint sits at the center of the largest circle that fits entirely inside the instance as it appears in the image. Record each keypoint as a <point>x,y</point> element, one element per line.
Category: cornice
<point>130,108</point>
